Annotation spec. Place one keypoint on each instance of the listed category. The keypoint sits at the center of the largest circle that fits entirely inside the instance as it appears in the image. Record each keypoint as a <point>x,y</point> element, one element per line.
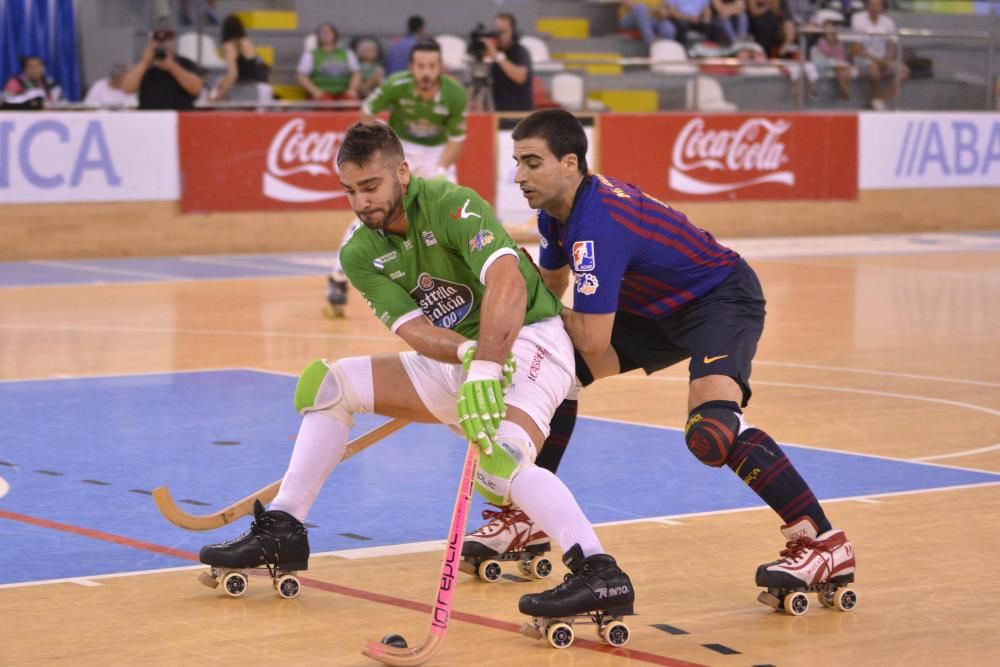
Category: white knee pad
<point>337,388</point>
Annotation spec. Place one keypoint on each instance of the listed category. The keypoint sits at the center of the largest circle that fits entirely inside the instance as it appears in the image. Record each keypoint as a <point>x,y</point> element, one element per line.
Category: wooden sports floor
<point>869,357</point>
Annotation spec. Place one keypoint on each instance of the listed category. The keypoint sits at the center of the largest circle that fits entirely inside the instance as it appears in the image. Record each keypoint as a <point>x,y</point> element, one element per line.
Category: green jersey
<point>438,269</point>
<point>427,122</point>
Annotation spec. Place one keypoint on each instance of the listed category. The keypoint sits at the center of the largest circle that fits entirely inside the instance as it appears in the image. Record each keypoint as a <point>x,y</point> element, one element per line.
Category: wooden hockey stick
<point>418,655</point>
<point>175,515</point>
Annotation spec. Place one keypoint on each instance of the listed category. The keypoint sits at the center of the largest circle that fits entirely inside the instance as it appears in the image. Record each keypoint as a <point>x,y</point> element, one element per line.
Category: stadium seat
<point>709,95</point>
<point>452,52</point>
<point>187,46</point>
<point>669,50</point>
<point>541,61</point>
<point>569,92</point>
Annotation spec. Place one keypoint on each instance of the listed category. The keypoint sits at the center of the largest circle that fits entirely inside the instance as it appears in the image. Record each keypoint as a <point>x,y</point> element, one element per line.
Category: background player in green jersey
<point>490,355</point>
<point>427,111</point>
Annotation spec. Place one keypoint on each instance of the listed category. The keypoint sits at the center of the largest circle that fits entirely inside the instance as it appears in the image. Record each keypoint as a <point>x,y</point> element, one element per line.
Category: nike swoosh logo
<point>709,359</point>
<point>468,214</point>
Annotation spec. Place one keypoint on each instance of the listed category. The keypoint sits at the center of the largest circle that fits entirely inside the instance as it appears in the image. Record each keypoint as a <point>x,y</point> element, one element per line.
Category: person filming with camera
<point>510,71</point>
<point>163,79</point>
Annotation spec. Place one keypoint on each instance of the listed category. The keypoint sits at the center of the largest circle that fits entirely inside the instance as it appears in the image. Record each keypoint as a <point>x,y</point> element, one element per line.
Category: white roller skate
<point>809,563</point>
<point>509,535</point>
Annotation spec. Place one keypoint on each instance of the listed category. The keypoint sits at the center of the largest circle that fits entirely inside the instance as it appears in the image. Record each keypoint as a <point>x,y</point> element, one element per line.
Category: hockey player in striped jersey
<point>650,289</point>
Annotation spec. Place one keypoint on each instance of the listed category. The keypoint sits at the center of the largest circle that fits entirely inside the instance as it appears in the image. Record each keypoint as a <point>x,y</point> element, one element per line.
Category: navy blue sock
<point>560,430</point>
<point>758,460</point>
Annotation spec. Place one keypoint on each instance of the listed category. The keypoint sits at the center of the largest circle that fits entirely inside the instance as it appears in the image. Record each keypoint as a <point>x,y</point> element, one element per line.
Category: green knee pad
<point>323,388</point>
<point>496,471</point>
<point>308,388</point>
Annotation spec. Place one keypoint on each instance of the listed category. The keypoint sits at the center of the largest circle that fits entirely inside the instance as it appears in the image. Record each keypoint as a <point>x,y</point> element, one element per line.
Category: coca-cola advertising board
<point>725,157</point>
<point>254,162</point>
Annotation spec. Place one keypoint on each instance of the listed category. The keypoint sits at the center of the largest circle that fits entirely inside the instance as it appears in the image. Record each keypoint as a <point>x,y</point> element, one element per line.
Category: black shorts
<point>718,332</point>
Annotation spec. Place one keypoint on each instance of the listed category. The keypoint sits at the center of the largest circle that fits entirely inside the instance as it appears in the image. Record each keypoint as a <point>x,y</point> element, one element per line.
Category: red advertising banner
<point>258,162</point>
<point>726,157</point>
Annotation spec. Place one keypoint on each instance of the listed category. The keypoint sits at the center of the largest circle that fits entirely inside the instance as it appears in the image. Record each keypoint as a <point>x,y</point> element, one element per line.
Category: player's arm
<point>454,127</point>
<point>437,343</point>
<point>380,99</point>
<point>591,336</point>
<point>502,312</point>
<point>557,280</point>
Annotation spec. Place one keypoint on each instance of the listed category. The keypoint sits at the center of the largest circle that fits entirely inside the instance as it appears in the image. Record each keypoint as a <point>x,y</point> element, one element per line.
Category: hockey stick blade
<point>175,515</point>
<point>418,655</point>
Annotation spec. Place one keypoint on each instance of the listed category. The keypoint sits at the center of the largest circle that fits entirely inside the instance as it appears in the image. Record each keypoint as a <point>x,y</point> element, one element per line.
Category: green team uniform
<point>426,122</point>
<point>435,271</point>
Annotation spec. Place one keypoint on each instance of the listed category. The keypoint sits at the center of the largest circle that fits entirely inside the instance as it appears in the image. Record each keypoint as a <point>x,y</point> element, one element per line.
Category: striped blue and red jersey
<point>629,251</point>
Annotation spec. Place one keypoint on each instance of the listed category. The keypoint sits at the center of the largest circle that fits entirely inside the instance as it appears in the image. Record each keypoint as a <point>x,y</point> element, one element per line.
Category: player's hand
<point>480,405</point>
<point>467,353</point>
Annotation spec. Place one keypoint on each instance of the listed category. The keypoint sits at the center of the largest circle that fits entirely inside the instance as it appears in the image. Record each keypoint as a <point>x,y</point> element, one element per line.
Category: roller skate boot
<point>336,296</point>
<point>596,589</point>
<point>276,541</point>
<point>809,563</point>
<point>509,535</point>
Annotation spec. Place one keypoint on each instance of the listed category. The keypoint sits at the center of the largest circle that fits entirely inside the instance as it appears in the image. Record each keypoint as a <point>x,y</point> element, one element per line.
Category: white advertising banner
<point>928,150</point>
<point>52,157</point>
<point>511,207</point>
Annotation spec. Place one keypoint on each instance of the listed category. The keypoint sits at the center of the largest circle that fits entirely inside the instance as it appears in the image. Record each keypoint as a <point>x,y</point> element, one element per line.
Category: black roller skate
<point>595,589</point>
<point>276,541</point>
<point>809,563</point>
<point>509,535</point>
<point>336,296</point>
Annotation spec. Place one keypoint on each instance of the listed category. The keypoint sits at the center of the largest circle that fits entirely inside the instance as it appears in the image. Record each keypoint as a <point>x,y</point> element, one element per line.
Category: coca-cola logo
<point>309,158</point>
<point>755,146</point>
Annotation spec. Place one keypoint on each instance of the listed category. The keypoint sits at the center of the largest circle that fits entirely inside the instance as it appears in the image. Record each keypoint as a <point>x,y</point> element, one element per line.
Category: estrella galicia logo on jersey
<point>583,256</point>
<point>444,303</point>
<point>380,262</point>
<point>482,239</point>
<point>428,238</point>
<point>586,283</point>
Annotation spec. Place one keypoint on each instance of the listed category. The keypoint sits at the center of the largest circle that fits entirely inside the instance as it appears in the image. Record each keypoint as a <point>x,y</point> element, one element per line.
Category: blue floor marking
<point>159,269</point>
<point>138,432</point>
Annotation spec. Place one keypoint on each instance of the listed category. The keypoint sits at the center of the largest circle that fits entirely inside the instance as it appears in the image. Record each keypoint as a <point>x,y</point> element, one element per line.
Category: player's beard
<point>426,84</point>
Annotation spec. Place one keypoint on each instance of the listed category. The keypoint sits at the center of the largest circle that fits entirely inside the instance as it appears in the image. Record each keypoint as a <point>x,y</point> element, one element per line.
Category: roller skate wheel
<point>209,580</point>
<point>796,604</point>
<point>560,635</point>
<point>490,570</point>
<point>541,567</point>
<point>287,586</point>
<point>615,633</point>
<point>845,599</point>
<point>235,584</point>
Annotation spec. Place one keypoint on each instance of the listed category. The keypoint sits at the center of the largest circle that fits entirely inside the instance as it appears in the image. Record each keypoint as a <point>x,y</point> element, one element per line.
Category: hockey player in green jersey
<point>489,356</point>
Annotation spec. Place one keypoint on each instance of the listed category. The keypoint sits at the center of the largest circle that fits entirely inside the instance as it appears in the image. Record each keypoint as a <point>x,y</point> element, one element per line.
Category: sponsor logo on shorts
<point>482,239</point>
<point>583,256</point>
<point>587,283</point>
<point>428,238</point>
<point>444,303</point>
<point>535,368</point>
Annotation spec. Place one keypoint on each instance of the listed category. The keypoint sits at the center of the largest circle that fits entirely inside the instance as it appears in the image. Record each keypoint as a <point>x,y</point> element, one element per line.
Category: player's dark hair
<point>427,45</point>
<point>363,141</point>
<point>510,18</point>
<point>414,24</point>
<point>561,132</point>
<point>233,28</point>
<point>24,60</point>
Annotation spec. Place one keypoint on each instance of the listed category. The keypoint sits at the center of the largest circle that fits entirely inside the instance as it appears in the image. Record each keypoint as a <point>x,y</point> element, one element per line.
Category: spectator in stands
<point>830,55</point>
<point>329,72</point>
<point>164,79</point>
<point>243,68</point>
<point>876,57</point>
<point>372,73</point>
<point>687,15</point>
<point>650,17</point>
<point>398,57</point>
<point>107,92</point>
<point>771,27</point>
<point>511,69</point>
<point>731,16</point>
<point>30,89</point>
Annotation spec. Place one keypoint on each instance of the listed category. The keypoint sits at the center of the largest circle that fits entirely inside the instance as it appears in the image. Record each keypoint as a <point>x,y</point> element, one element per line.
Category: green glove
<point>480,406</point>
<point>467,352</point>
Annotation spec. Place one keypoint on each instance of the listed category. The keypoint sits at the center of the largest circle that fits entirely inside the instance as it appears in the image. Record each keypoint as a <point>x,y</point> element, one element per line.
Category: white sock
<point>319,447</point>
<point>551,505</point>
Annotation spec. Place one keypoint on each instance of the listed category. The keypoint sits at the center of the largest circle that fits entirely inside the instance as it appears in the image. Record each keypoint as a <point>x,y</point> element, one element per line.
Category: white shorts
<point>423,160</point>
<point>545,375</point>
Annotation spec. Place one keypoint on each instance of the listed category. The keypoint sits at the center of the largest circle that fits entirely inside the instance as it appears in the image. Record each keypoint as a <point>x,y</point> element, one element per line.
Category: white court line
<point>845,390</point>
<point>99,269</point>
<point>868,371</point>
<point>248,264</point>
<point>967,452</point>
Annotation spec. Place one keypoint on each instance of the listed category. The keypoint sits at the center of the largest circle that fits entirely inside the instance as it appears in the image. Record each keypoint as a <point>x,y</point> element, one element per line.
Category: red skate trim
<point>506,517</point>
